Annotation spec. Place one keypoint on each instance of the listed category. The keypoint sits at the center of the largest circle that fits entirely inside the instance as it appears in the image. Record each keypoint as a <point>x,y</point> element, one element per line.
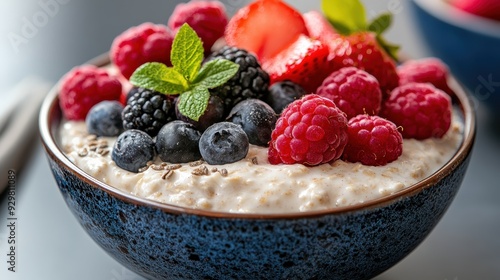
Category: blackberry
<point>131,92</point>
<point>249,82</point>
<point>148,111</point>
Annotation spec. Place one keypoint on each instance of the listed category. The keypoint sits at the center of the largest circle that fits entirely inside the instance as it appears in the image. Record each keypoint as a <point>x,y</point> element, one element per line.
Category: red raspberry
<point>353,90</point>
<point>422,110</point>
<point>310,131</point>
<point>427,70</point>
<point>126,87</point>
<point>362,51</point>
<point>372,141</point>
<point>273,156</point>
<point>140,44</point>
<point>207,18</point>
<point>85,86</point>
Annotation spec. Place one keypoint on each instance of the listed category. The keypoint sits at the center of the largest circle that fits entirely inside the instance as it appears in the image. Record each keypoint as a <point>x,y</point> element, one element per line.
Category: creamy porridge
<point>253,185</point>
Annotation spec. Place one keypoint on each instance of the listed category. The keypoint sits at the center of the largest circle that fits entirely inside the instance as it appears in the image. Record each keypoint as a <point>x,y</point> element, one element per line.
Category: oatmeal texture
<point>252,185</point>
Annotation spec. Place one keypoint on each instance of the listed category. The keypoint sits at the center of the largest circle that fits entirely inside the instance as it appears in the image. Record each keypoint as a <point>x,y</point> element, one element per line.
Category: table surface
<point>57,35</point>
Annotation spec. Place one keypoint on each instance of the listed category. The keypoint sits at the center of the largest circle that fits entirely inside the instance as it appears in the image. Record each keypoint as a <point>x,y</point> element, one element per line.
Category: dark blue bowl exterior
<point>162,245</point>
<point>474,58</point>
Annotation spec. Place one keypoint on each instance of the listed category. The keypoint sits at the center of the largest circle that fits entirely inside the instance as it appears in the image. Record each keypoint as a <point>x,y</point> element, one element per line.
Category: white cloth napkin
<point>19,124</point>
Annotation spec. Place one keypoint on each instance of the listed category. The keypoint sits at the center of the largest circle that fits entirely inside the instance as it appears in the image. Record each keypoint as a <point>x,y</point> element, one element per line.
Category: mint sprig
<point>157,76</point>
<point>187,77</point>
<point>349,16</point>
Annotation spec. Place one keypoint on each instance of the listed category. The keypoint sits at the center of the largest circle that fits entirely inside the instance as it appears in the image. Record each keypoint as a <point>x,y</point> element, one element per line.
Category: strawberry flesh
<point>304,62</point>
<point>319,28</point>
<point>265,27</point>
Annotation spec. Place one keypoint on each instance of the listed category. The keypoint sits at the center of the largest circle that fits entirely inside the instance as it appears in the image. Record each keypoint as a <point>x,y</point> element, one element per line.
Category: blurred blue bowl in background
<point>469,44</point>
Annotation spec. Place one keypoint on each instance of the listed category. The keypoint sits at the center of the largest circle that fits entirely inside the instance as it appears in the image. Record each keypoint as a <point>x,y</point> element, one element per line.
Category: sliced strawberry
<point>304,62</point>
<point>362,51</point>
<point>319,28</point>
<point>265,27</point>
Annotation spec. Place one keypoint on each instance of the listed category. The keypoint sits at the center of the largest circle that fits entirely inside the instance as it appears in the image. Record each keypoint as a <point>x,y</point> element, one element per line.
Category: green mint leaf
<point>391,49</point>
<point>157,76</point>
<point>380,24</point>
<point>187,77</point>
<point>347,16</point>
<point>187,52</point>
<point>341,28</point>
<point>215,73</point>
<point>193,103</point>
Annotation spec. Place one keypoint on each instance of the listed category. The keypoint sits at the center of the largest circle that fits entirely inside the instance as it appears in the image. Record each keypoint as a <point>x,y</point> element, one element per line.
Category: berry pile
<point>249,82</point>
<point>310,91</point>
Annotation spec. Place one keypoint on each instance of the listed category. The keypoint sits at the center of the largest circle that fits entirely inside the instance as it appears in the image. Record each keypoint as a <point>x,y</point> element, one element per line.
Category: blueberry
<point>177,142</point>
<point>214,113</point>
<point>256,118</point>
<point>283,93</point>
<point>133,149</point>
<point>223,142</point>
<point>105,119</point>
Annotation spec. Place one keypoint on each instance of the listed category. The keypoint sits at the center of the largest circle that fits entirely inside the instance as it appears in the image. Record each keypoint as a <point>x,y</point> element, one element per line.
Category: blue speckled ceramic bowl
<point>161,241</point>
<point>469,44</point>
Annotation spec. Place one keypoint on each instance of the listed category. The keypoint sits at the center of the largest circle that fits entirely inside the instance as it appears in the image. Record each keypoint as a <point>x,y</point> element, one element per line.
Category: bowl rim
<point>50,108</point>
<point>446,12</point>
